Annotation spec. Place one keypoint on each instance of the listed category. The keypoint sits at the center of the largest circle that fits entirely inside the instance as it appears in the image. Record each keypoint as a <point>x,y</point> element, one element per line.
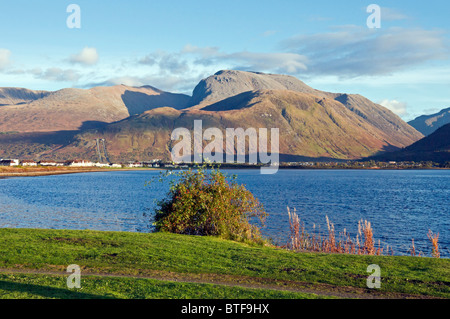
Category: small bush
<point>205,203</point>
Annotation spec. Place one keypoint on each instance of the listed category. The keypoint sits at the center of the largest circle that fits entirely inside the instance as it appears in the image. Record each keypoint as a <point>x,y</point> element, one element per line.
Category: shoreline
<point>36,173</point>
<point>40,172</point>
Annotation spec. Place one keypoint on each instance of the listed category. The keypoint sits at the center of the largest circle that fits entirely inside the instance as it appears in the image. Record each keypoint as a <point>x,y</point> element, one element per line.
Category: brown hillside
<point>137,122</point>
<point>11,96</point>
<point>74,109</point>
<point>310,126</point>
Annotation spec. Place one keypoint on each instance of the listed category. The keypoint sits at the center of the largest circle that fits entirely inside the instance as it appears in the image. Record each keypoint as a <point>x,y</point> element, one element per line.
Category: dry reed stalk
<point>435,244</point>
<point>319,242</point>
<point>331,242</point>
<point>315,246</point>
<point>413,249</point>
<point>346,245</point>
<point>359,238</point>
<point>301,240</point>
<point>366,229</point>
<point>379,250</point>
<point>294,223</point>
<point>352,248</point>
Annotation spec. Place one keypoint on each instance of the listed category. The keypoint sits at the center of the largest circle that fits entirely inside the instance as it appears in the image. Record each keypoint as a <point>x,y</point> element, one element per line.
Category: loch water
<point>400,204</point>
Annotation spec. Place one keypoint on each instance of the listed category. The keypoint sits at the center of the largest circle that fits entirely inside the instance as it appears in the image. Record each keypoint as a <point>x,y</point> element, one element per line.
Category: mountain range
<point>137,122</point>
<point>24,110</point>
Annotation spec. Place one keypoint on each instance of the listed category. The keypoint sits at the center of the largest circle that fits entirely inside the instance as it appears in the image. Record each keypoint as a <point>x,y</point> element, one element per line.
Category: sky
<point>403,63</point>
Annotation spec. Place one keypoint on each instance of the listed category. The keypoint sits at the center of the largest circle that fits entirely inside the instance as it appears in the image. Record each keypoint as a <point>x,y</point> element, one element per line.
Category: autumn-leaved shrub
<point>205,202</point>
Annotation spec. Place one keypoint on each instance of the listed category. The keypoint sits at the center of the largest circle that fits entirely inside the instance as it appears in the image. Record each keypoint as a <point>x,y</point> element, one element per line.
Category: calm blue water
<point>400,204</point>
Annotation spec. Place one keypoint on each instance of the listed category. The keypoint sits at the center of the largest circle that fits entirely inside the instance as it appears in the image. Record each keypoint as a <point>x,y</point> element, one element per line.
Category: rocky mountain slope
<point>24,110</point>
<point>427,124</point>
<point>228,83</point>
<point>313,124</point>
<point>12,96</point>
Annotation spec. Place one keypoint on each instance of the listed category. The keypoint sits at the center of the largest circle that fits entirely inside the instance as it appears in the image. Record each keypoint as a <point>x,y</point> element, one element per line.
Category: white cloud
<point>399,108</point>
<point>352,51</point>
<point>210,59</point>
<point>87,56</point>
<point>278,62</point>
<point>171,63</point>
<point>56,74</point>
<point>4,58</point>
<point>290,63</point>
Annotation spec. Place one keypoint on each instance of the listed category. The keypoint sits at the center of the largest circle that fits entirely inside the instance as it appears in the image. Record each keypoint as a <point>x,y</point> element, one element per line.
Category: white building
<point>48,163</point>
<point>28,163</point>
<point>9,162</point>
<point>135,164</point>
<point>101,164</point>
<point>81,163</point>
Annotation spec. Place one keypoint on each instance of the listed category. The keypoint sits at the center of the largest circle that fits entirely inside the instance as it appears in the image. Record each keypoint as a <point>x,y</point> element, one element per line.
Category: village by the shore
<point>160,164</point>
<point>78,163</point>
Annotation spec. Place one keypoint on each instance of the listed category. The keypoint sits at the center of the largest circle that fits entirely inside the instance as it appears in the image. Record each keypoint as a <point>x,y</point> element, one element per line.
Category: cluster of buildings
<point>77,163</point>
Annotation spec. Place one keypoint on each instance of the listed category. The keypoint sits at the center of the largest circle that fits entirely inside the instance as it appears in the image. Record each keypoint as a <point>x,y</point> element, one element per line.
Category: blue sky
<point>171,45</point>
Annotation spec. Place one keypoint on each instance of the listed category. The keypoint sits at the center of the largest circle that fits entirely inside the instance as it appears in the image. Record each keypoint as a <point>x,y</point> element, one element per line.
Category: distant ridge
<point>434,147</point>
<point>427,124</point>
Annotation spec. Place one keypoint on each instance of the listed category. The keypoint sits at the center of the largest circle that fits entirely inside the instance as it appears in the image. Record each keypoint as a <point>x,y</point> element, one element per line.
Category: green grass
<point>164,256</point>
<point>33,286</point>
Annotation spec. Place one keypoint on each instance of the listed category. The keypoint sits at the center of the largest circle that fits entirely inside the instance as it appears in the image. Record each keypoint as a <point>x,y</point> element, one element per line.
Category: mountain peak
<point>227,83</point>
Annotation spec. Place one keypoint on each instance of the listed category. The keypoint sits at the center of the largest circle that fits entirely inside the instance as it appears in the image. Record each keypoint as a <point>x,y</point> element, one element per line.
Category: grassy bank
<point>32,259</point>
<point>40,286</point>
<point>42,171</point>
<point>48,170</point>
